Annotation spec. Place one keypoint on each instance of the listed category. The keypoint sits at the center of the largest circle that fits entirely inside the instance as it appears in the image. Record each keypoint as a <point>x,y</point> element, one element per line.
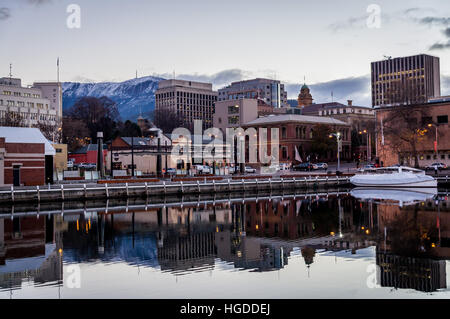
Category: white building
<point>41,103</point>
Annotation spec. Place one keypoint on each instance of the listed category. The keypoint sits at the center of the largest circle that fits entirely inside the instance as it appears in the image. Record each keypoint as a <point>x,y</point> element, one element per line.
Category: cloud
<point>4,13</point>
<point>351,88</point>
<point>220,79</point>
<point>350,23</point>
<point>440,46</point>
<point>447,32</point>
<point>440,21</point>
<point>445,85</point>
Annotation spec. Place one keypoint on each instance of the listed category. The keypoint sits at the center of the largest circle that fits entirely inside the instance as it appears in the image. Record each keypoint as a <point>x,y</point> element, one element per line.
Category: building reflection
<point>412,241</point>
<point>30,251</point>
<point>413,244</point>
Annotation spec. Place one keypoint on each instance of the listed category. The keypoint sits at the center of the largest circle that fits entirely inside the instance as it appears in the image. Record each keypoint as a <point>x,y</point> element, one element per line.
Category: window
<point>426,120</point>
<point>442,119</point>
<point>233,109</point>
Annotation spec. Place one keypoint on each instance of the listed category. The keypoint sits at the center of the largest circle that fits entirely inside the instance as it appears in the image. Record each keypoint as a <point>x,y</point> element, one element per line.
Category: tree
<point>321,142</point>
<point>129,129</point>
<point>13,119</point>
<point>404,131</point>
<point>75,133</point>
<point>167,120</point>
<point>51,132</point>
<point>98,114</point>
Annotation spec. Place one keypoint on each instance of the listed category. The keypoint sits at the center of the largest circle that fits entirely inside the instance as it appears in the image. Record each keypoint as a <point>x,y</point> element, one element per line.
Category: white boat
<point>395,176</point>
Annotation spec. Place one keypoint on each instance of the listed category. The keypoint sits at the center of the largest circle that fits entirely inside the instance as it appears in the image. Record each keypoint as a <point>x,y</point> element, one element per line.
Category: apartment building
<point>30,106</point>
<point>270,91</point>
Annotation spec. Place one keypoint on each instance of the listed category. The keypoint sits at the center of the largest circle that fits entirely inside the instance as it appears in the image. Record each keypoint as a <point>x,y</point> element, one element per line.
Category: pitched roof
<point>88,147</point>
<point>271,119</point>
<point>26,135</point>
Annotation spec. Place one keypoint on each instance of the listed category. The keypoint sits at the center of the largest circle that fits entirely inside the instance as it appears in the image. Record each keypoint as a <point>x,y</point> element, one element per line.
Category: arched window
<point>283,132</point>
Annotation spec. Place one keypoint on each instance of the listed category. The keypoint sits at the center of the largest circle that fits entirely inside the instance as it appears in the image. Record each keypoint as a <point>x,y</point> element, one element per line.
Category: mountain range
<point>133,97</point>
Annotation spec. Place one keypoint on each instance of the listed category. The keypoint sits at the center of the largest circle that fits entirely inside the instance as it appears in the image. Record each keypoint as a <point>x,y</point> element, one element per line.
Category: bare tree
<point>75,133</point>
<point>404,130</point>
<point>13,119</point>
<point>167,120</point>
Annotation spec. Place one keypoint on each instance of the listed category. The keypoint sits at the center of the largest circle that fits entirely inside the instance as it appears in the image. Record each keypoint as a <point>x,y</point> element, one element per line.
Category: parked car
<point>284,166</point>
<point>69,164</point>
<point>171,171</point>
<point>433,166</point>
<point>249,169</point>
<point>87,165</point>
<point>303,167</point>
<point>323,166</point>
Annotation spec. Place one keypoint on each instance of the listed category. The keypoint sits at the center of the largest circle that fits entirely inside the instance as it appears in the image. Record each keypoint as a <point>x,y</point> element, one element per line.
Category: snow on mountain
<point>132,96</point>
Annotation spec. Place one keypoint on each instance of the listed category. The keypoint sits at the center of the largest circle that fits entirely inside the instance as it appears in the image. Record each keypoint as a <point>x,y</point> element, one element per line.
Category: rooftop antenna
<point>136,74</point>
<point>387,57</point>
<point>174,75</point>
<point>57,69</point>
<point>10,72</point>
<point>331,96</point>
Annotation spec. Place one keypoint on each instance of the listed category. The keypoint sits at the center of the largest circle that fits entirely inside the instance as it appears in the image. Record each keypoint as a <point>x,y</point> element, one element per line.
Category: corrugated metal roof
<point>26,135</point>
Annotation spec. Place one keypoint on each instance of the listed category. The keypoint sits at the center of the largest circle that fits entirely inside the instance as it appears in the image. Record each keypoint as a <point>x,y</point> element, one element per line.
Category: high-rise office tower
<point>188,99</point>
<point>406,80</point>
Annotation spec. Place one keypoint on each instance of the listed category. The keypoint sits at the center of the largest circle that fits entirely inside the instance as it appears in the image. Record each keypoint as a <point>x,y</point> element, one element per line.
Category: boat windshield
<point>391,170</point>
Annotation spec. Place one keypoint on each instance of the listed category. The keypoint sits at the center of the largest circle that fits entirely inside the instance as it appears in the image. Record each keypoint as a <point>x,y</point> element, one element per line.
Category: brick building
<point>26,157</point>
<point>431,119</point>
<point>297,131</point>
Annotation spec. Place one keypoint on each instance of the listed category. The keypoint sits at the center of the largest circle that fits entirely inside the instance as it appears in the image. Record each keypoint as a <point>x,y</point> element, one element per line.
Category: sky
<point>328,44</point>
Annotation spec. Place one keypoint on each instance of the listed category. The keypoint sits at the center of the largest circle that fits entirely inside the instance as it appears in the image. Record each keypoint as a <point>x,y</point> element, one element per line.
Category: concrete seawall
<point>70,192</point>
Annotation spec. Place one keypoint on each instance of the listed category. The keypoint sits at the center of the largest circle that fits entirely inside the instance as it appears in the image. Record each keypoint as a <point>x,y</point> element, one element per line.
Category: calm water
<point>308,246</point>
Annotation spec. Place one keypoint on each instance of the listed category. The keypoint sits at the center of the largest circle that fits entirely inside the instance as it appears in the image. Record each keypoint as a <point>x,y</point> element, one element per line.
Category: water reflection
<point>412,241</point>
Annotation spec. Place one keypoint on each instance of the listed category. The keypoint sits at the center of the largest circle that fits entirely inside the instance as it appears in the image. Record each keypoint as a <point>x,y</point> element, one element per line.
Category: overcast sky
<point>327,41</point>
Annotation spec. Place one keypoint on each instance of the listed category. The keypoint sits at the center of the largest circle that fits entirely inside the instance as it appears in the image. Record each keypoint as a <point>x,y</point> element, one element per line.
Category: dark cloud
<point>440,46</point>
<point>4,13</point>
<point>447,32</point>
<point>440,21</point>
<point>218,79</point>
<point>352,88</point>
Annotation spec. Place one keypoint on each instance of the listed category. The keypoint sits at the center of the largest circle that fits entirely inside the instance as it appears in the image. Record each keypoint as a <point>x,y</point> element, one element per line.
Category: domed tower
<point>305,97</point>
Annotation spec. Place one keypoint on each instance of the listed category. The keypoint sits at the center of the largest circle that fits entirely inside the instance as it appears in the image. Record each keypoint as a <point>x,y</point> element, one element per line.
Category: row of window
<point>22,104</point>
<point>37,96</point>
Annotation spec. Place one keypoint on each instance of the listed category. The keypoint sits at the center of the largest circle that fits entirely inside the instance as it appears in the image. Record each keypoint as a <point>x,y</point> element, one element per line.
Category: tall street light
<point>339,143</point>
<point>435,140</point>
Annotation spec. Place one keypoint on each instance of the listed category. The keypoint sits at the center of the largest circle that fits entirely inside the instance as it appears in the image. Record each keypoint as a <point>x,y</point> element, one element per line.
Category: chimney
<point>349,102</point>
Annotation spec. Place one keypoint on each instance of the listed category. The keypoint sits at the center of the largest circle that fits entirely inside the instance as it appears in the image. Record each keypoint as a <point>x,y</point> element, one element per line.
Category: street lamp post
<point>338,139</point>
<point>436,137</point>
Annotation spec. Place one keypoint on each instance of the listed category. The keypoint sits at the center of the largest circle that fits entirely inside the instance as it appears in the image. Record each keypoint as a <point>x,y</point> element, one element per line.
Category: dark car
<point>303,167</point>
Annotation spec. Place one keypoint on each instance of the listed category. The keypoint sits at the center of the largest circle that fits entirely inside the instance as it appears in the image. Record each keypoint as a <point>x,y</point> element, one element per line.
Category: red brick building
<point>26,157</point>
<point>87,154</point>
<point>297,131</point>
